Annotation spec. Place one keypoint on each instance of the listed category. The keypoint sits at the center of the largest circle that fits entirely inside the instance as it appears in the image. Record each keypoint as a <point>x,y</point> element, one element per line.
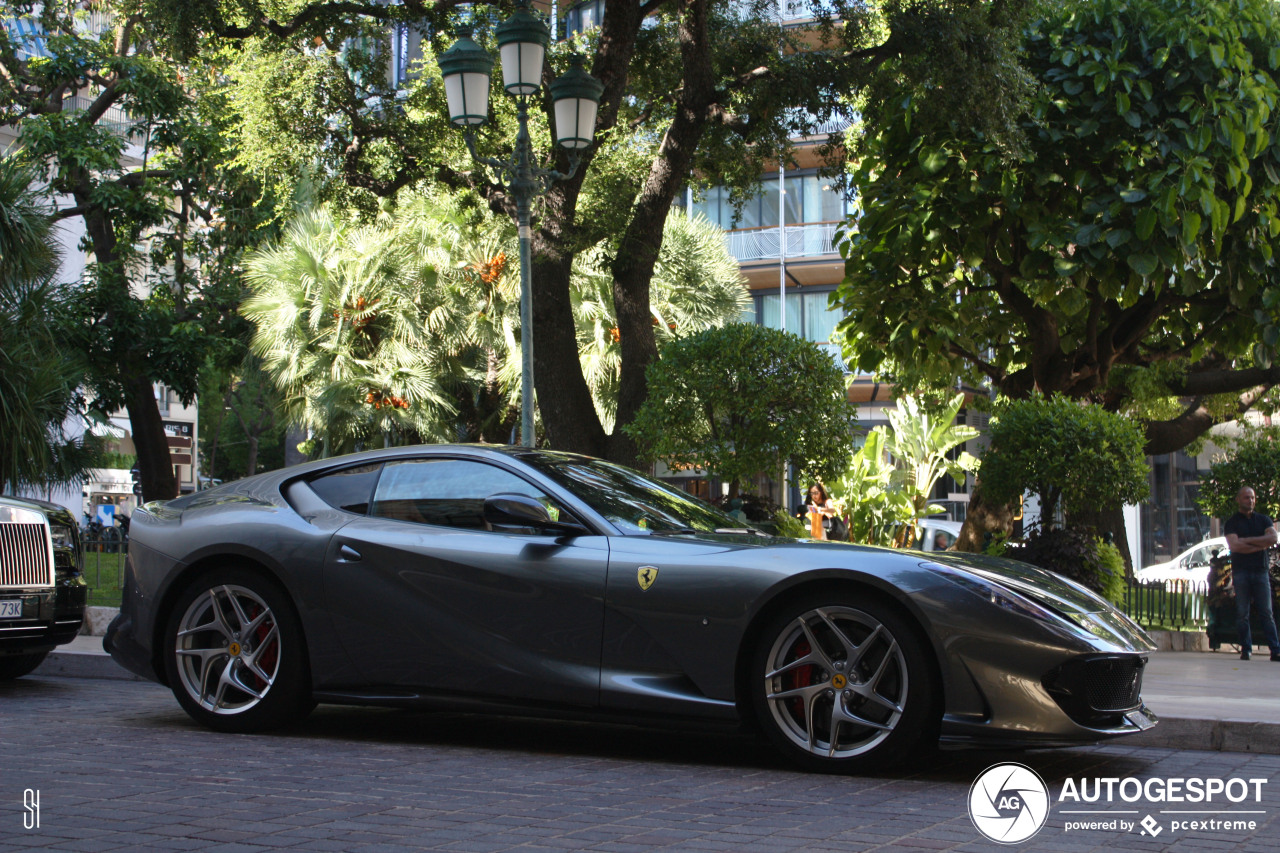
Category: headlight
<point>995,593</point>
<point>63,536</point>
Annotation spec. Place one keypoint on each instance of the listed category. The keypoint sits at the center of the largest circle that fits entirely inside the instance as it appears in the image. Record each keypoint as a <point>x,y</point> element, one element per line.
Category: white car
<point>1191,565</point>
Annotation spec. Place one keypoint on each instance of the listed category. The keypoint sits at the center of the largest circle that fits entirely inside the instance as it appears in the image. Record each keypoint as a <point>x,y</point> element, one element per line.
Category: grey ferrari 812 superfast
<point>517,581</point>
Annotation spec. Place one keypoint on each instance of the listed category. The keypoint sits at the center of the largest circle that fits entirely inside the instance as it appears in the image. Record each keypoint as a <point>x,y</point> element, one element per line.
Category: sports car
<point>511,580</point>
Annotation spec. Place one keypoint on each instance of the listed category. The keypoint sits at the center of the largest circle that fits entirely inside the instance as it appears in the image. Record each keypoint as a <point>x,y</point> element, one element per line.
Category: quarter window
<point>348,489</point>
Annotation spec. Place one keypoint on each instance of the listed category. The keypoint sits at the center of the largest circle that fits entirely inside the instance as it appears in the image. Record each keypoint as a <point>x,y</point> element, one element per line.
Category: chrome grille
<point>24,556</point>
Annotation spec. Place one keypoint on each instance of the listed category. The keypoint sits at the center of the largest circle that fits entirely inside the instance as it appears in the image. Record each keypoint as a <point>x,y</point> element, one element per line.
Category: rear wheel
<point>16,666</point>
<point>843,683</point>
<point>234,653</point>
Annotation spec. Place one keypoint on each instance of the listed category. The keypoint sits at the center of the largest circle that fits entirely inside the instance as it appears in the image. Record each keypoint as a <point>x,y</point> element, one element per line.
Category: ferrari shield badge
<point>646,575</point>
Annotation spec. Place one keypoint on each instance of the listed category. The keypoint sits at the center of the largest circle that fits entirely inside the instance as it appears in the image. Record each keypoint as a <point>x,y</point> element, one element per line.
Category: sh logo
<point>31,805</point>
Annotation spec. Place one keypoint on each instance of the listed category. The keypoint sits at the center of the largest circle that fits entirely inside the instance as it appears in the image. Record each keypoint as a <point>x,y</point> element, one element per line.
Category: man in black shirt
<point>1249,535</point>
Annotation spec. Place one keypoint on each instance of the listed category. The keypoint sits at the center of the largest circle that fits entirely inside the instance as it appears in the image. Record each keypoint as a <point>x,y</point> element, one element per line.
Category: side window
<point>445,492</point>
<point>348,489</point>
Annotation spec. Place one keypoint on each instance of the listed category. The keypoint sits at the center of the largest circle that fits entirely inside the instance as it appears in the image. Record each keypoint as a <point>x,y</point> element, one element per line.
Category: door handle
<point>347,554</point>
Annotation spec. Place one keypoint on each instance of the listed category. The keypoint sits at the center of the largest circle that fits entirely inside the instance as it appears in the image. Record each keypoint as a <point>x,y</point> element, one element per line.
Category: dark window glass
<point>348,489</point>
<point>633,502</point>
<point>447,492</point>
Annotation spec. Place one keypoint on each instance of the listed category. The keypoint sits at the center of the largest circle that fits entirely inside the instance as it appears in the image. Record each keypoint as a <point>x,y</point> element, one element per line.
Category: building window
<point>1170,519</point>
<point>583,17</point>
<point>809,199</point>
<point>808,316</point>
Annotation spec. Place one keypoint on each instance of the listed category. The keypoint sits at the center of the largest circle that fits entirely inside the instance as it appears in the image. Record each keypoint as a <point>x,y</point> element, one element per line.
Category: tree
<point>242,424</point>
<point>920,439</point>
<point>706,91</point>
<point>743,399</point>
<point>435,323</point>
<point>1123,255</point>
<point>886,487</point>
<point>112,126</point>
<point>38,377</point>
<point>353,330</point>
<point>1253,462</point>
<point>1078,456</point>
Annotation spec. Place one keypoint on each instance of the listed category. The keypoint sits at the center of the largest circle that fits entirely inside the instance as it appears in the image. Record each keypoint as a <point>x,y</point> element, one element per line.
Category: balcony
<point>803,241</point>
<point>787,12</point>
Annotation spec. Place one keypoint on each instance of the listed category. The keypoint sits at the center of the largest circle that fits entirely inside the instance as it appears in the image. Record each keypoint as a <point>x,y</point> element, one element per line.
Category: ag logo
<point>646,576</point>
<point>1008,803</point>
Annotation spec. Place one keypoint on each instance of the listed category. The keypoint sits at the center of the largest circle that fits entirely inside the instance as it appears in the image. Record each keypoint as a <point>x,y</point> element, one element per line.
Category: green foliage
<point>741,399</point>
<point>789,526</point>
<point>871,494</point>
<point>886,499</point>
<point>1079,555</point>
<point>921,436</point>
<point>1064,451</point>
<point>39,378</point>
<point>1253,462</point>
<point>696,285</point>
<point>122,461</point>
<point>1113,579</point>
<point>1136,227</point>
<point>421,305</point>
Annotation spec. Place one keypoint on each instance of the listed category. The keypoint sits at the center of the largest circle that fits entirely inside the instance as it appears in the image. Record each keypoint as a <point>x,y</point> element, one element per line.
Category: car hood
<point>1069,599</point>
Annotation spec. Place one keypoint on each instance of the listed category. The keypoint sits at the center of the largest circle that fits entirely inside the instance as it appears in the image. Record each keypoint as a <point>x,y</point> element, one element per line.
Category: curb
<point>1181,734</point>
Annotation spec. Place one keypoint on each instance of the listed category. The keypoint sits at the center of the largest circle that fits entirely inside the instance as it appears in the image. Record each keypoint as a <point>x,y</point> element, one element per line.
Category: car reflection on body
<point>520,581</point>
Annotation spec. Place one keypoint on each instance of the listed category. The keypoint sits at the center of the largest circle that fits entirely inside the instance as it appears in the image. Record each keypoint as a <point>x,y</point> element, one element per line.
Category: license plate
<point>11,609</point>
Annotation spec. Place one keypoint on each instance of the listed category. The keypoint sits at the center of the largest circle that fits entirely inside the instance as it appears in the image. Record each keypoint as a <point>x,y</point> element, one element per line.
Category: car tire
<point>844,683</point>
<point>235,655</point>
<point>16,666</point>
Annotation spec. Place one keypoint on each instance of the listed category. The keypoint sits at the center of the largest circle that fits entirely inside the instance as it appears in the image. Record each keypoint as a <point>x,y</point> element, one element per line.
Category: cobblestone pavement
<point>119,767</point>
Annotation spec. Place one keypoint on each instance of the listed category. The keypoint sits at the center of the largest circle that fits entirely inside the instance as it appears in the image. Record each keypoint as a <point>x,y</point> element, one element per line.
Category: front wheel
<point>842,683</point>
<point>16,666</point>
<point>234,653</point>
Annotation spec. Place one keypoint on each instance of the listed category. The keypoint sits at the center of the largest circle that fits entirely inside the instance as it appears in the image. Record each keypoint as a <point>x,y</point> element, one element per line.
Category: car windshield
<point>633,502</point>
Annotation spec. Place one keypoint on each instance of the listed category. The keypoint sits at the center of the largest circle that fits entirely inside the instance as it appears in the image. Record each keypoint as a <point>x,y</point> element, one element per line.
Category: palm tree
<point>38,377</point>
<point>346,327</point>
<point>696,285</point>
<point>422,309</point>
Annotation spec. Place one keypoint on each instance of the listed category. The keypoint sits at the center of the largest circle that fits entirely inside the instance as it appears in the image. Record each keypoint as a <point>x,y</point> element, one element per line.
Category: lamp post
<point>466,68</point>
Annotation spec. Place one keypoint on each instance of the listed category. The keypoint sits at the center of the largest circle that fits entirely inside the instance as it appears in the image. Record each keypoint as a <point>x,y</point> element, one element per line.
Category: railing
<point>834,124</point>
<point>114,119</point>
<point>104,555</point>
<point>1177,605</point>
<point>787,12</point>
<point>802,241</point>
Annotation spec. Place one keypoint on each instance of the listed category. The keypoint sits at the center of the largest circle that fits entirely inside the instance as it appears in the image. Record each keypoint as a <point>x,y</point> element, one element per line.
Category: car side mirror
<point>515,510</point>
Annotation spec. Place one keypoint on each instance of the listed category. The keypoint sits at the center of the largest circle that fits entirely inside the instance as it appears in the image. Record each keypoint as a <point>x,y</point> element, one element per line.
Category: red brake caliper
<point>268,661</point>
<point>801,676</point>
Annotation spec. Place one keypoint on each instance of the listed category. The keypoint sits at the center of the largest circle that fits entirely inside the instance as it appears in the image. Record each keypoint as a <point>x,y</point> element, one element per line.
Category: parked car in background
<point>1191,565</point>
<point>42,587</point>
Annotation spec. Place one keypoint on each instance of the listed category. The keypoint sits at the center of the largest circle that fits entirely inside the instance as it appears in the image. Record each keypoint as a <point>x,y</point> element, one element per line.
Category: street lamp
<point>466,67</point>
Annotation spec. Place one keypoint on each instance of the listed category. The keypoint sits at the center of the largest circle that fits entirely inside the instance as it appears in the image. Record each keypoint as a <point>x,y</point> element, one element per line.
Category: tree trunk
<point>981,519</point>
<point>1103,522</point>
<point>564,400</point>
<point>155,466</point>
<point>251,466</point>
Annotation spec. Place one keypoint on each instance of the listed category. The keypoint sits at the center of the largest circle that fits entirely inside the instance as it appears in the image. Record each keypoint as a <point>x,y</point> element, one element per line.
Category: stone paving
<point>119,767</point>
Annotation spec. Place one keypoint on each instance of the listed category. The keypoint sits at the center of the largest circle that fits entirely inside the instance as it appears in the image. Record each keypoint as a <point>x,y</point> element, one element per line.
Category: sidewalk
<point>1205,700</point>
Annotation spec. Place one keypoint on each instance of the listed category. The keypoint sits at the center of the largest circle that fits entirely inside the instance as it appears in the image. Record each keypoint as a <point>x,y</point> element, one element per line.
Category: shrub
<point>1076,554</point>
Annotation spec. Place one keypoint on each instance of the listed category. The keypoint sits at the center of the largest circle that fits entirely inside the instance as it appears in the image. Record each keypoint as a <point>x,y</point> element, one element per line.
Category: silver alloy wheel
<point>228,649</point>
<point>836,682</point>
